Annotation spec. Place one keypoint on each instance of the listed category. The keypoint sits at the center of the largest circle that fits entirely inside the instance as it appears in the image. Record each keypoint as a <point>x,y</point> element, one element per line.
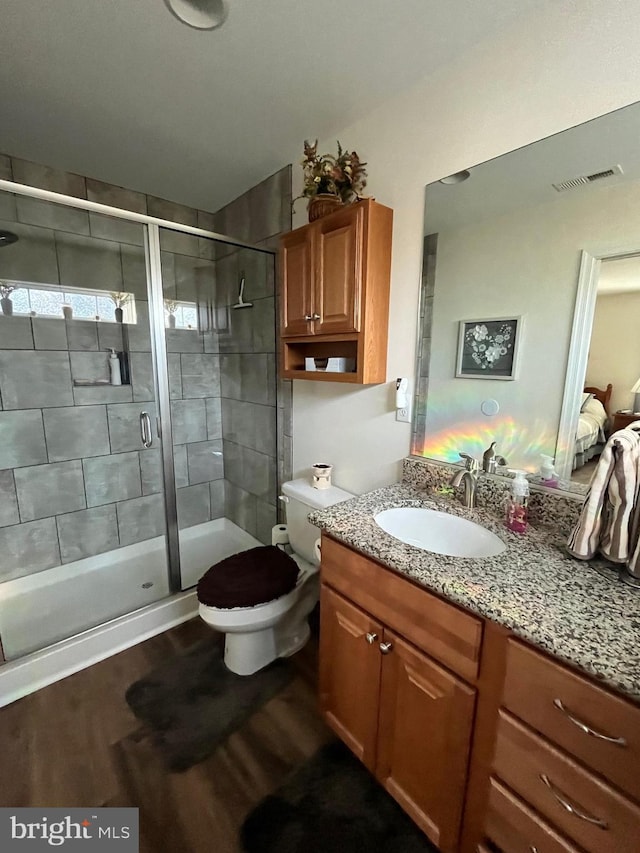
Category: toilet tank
<point>302,498</point>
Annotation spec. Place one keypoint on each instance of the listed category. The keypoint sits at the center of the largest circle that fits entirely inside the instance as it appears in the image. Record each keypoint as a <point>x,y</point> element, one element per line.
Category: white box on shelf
<point>334,364</point>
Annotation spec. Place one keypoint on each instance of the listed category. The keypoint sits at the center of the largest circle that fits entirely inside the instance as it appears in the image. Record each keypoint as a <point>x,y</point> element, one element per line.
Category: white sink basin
<point>439,532</point>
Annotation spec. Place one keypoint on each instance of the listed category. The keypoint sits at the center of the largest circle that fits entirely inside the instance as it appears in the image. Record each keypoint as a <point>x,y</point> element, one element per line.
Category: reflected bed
<point>591,433</point>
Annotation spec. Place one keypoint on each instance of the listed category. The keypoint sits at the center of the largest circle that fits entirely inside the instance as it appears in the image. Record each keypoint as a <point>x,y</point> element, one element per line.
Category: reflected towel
<point>610,518</point>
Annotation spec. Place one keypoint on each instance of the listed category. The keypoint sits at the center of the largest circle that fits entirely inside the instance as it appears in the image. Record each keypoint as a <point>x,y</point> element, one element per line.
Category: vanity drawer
<point>560,703</point>
<point>515,828</point>
<point>581,805</point>
<point>447,633</point>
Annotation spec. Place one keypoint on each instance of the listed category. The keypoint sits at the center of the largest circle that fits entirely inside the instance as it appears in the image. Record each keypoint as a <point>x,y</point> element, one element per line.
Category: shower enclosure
<point>114,497</point>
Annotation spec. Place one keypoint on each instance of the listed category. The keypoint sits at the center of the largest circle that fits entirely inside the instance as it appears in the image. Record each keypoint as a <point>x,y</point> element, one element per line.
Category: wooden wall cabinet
<point>406,717</point>
<point>486,742</point>
<point>334,297</point>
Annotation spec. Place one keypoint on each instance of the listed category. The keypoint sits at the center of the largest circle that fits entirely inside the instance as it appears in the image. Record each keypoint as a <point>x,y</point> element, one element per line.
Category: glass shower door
<point>82,516</point>
<point>219,331</point>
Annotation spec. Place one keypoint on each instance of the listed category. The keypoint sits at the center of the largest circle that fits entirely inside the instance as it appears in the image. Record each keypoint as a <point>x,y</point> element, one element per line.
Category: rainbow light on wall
<point>521,444</point>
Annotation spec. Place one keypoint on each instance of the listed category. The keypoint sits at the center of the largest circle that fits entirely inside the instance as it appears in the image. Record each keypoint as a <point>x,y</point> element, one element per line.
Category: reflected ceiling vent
<point>582,180</point>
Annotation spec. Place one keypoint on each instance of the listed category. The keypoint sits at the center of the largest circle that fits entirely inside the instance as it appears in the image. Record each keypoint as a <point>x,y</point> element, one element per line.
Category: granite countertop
<point>578,611</point>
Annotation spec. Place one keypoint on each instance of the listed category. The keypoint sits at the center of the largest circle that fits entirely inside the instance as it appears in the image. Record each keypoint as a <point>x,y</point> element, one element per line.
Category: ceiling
<point>122,91</point>
<point>525,177</point>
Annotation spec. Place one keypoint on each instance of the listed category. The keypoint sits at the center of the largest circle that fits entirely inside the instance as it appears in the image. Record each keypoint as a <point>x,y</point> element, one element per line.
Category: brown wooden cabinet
<point>569,753</point>
<point>350,674</point>
<point>623,419</point>
<point>407,718</point>
<point>334,298</point>
<point>487,743</point>
<point>424,735</point>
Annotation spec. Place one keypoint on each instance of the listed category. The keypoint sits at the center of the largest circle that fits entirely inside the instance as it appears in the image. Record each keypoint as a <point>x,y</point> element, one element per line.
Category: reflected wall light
<point>200,14</point>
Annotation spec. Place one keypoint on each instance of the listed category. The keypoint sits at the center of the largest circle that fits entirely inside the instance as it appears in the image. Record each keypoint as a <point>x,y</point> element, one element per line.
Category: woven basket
<point>322,204</point>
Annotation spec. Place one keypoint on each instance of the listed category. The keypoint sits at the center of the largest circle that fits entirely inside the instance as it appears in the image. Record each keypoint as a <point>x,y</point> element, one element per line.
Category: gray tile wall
<point>73,456</point>
<point>427,291</point>
<point>256,412</point>
<point>74,480</point>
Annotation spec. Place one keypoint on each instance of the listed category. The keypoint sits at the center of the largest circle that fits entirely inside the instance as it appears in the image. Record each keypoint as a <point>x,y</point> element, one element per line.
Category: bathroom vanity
<point>497,700</point>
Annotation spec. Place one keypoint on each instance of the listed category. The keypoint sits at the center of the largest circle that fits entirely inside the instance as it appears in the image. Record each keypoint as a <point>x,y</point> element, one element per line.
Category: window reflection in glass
<point>48,301</point>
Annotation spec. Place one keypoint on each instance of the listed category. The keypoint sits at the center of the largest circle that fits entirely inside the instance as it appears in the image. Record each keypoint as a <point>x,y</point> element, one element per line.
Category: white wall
<point>524,263</point>
<point>570,62</point>
<point>614,355</point>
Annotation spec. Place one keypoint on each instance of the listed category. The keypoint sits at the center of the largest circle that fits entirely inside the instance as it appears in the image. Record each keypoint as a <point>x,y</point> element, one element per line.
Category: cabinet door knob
<point>308,317</point>
<point>315,316</point>
<point>371,638</point>
<point>386,648</point>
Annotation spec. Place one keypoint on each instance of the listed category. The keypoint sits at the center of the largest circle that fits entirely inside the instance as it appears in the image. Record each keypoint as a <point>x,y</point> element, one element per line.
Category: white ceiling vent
<point>581,180</point>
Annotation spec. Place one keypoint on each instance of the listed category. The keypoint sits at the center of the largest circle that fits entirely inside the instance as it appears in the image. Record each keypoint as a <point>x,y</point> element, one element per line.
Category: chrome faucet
<point>468,476</point>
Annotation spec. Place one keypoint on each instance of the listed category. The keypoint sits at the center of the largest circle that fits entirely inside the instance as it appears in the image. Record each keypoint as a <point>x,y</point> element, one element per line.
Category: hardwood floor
<point>76,743</point>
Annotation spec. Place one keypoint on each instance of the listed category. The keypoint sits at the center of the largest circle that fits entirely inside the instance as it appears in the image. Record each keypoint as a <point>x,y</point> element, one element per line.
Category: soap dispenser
<point>114,368</point>
<point>517,506</point>
<point>548,474</point>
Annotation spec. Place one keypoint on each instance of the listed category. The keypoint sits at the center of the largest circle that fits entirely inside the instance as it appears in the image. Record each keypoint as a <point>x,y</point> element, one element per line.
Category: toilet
<point>255,636</point>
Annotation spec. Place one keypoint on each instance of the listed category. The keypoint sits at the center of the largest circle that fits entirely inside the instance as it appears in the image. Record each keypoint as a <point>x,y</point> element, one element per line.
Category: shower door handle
<point>145,429</point>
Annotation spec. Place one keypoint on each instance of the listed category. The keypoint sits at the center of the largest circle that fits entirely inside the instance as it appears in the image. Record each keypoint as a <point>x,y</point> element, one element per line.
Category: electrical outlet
<point>403,415</point>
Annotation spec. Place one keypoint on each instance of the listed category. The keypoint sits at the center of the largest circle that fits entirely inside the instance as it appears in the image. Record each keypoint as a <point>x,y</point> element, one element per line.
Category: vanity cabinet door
<point>350,663</point>
<point>426,718</point>
<point>297,283</point>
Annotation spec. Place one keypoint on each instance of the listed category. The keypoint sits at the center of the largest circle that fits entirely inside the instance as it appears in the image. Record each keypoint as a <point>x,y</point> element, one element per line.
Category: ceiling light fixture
<point>456,178</point>
<point>200,14</point>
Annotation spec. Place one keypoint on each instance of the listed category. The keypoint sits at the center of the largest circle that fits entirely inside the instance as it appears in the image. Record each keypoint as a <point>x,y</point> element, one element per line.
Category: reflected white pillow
<point>594,407</point>
<point>585,399</point>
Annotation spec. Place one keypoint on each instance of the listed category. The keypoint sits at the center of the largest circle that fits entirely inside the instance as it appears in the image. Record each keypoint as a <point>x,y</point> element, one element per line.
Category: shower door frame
<point>152,226</point>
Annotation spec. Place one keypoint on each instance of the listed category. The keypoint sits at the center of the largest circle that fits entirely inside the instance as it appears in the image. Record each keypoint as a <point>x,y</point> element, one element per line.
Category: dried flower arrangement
<point>343,176</point>
<point>6,289</point>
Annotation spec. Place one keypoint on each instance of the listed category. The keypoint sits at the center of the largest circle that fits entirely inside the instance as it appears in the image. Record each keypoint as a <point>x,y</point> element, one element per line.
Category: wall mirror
<point>548,235</point>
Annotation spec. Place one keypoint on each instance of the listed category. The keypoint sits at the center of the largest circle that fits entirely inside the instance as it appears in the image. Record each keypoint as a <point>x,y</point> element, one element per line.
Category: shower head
<point>241,303</point>
<point>7,237</point>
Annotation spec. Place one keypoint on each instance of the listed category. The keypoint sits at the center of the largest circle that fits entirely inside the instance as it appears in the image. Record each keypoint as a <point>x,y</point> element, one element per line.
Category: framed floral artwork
<point>488,349</point>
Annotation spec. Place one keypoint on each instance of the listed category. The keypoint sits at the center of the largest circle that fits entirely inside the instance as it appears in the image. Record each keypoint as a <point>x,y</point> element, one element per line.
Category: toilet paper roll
<point>316,550</point>
<point>279,534</point>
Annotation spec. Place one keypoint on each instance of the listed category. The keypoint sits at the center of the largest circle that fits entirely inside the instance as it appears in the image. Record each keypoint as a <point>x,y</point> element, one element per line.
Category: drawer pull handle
<point>371,638</point>
<point>574,810</point>
<point>386,648</point>
<point>619,741</point>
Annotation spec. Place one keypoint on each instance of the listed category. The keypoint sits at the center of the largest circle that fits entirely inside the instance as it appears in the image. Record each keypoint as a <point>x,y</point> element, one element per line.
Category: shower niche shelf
<point>334,294</point>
